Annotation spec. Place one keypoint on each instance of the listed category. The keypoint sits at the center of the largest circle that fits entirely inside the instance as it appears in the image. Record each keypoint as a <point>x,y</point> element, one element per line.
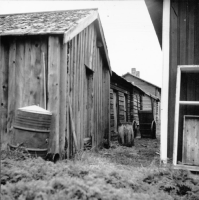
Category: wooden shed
<point>180,90</point>
<point>66,53</point>
<point>125,101</point>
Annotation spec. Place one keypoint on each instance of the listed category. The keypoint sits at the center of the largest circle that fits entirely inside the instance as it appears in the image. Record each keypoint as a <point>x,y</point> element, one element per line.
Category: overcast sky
<point>129,33</point>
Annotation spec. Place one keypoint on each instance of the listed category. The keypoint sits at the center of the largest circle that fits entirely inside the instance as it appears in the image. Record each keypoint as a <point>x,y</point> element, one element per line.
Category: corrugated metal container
<point>32,128</point>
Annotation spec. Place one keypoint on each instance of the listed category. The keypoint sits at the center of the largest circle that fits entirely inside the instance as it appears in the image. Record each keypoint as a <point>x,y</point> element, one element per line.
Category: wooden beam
<point>165,80</point>
<point>82,24</point>
<point>186,167</point>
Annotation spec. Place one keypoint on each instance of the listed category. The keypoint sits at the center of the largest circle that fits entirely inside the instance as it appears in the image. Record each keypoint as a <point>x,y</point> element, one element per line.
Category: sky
<point>129,32</point>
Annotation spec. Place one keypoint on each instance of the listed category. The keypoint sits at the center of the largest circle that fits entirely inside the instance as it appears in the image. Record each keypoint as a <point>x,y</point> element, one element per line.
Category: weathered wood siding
<point>137,104</point>
<point>77,69</point>
<point>124,105</point>
<point>21,77</point>
<point>88,87</point>
<point>184,50</point>
<point>152,89</point>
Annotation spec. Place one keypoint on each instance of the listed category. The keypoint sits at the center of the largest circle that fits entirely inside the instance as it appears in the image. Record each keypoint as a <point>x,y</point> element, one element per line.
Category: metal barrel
<point>32,128</point>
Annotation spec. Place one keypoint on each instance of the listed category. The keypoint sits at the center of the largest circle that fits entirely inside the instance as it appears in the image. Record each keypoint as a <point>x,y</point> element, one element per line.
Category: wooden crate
<point>190,155</point>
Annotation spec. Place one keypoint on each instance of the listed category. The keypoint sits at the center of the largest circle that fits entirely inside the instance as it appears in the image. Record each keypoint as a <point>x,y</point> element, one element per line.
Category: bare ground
<point>145,152</point>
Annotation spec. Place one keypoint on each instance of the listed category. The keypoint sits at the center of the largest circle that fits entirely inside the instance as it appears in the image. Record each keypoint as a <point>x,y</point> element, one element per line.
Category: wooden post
<point>165,80</point>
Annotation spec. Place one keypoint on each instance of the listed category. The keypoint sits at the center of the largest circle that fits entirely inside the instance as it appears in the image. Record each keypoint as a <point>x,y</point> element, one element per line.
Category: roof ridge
<point>52,11</point>
<point>141,79</point>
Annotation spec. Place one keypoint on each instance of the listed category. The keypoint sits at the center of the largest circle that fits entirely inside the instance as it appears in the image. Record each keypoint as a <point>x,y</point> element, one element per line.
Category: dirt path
<point>145,152</point>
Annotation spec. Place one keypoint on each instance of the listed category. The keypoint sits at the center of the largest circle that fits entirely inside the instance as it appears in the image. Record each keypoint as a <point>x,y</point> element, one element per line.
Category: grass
<point>117,173</point>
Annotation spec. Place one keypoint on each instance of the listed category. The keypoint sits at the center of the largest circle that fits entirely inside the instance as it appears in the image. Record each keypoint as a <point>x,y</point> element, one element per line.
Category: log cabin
<point>179,31</point>
<point>66,53</point>
<point>126,99</point>
<point>149,88</point>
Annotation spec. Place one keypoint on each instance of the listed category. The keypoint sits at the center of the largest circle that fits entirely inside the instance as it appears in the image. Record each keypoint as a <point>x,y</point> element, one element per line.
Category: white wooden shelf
<point>189,102</point>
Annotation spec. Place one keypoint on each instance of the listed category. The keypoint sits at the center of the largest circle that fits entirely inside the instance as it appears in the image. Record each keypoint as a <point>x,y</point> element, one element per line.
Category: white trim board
<point>188,69</point>
<point>165,80</point>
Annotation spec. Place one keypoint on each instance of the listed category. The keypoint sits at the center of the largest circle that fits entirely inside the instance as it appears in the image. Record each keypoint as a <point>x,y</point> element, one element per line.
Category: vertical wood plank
<point>190,37</point>
<point>19,84</point>
<point>85,102</point>
<point>183,32</point>
<point>108,111</point>
<point>196,32</point>
<point>27,73</point>
<point>78,89</point>
<point>63,101</point>
<point>92,47</point>
<point>95,99</point>
<point>36,73</point>
<point>4,57</point>
<point>67,93</point>
<point>174,60</point>
<point>100,99</point>
<point>53,90</point>
<point>82,88</point>
<point>97,96</point>
<point>44,64</point>
<point>91,65</point>
<point>11,86</point>
<point>94,93</point>
<point>70,93</point>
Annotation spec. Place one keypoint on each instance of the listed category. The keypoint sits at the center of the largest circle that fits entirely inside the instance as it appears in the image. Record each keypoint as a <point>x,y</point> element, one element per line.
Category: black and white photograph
<point>99,100</point>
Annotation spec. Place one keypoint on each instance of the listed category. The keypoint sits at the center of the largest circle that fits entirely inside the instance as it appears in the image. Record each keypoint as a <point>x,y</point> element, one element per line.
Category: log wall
<point>124,105</point>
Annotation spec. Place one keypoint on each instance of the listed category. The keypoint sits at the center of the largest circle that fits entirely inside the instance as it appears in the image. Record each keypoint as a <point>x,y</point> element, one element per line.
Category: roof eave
<point>81,25</point>
<point>141,80</point>
<point>30,33</point>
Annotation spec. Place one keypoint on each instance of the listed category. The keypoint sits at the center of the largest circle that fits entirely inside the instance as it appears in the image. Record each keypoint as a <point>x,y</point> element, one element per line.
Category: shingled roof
<point>67,22</point>
<point>42,23</point>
